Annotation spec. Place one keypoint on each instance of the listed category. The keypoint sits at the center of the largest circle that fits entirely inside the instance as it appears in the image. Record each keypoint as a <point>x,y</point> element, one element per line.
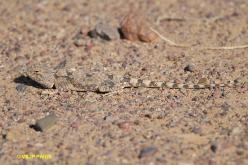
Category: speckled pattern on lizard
<point>102,81</point>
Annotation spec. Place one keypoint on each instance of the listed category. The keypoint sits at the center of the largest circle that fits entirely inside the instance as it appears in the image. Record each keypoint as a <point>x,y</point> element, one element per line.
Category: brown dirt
<point>184,127</point>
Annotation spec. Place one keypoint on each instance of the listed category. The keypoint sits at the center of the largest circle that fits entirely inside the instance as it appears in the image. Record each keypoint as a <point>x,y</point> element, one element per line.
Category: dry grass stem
<point>172,43</point>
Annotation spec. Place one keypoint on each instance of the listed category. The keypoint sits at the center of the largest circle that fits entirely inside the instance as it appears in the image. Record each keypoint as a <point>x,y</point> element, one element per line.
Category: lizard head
<point>41,74</point>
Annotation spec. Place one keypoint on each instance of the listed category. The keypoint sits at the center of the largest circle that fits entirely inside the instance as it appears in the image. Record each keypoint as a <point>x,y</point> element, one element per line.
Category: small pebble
<point>79,42</point>
<point>125,126</point>
<point>109,118</point>
<point>45,123</point>
<point>21,87</point>
<point>135,27</point>
<point>213,147</point>
<point>147,151</point>
<point>78,39</point>
<point>189,68</point>
<point>106,32</point>
<point>93,34</point>
<point>197,130</point>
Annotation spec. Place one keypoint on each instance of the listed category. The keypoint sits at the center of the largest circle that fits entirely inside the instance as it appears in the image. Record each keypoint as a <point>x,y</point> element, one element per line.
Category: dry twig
<point>172,43</point>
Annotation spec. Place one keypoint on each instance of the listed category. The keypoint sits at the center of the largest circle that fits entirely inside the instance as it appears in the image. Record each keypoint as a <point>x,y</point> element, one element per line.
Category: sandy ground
<point>136,126</point>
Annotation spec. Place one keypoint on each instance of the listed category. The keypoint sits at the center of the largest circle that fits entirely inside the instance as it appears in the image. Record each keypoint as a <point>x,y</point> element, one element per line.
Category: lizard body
<point>100,81</point>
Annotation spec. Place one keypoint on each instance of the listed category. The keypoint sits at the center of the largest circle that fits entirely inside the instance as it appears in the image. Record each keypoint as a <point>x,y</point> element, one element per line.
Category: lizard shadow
<point>35,127</point>
<point>28,82</point>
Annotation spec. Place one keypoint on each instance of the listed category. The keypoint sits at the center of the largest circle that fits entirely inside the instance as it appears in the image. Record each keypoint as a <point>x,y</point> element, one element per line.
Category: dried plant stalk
<point>172,43</point>
<point>225,47</point>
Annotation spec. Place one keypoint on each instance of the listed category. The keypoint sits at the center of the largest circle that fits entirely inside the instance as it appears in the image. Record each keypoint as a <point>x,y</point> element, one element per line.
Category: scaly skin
<point>100,81</point>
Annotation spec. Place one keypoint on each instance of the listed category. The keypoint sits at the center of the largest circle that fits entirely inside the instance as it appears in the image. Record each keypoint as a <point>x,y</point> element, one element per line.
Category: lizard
<point>102,81</point>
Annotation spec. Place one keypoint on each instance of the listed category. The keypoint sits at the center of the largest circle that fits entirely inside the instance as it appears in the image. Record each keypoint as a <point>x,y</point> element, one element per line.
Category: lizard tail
<point>132,82</point>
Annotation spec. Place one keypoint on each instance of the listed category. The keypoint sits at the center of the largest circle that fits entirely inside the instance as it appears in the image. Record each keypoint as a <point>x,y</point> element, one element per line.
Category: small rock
<point>106,32</point>
<point>125,126</point>
<point>45,123</point>
<point>93,33</point>
<point>78,39</point>
<point>109,118</point>
<point>197,130</point>
<point>134,27</point>
<point>21,87</point>
<point>79,42</point>
<point>147,151</point>
<point>189,68</point>
<point>213,147</point>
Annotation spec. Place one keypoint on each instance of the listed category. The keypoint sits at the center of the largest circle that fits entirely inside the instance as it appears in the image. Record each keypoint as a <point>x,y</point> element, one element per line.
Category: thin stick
<point>172,43</point>
<point>226,47</point>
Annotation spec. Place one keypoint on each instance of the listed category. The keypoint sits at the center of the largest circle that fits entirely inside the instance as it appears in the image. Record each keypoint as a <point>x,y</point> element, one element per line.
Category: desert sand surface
<point>137,125</point>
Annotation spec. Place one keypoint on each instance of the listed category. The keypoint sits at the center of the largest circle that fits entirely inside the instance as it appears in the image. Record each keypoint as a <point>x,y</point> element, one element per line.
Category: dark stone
<point>92,34</point>
<point>189,68</point>
<point>213,147</point>
<point>147,151</point>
